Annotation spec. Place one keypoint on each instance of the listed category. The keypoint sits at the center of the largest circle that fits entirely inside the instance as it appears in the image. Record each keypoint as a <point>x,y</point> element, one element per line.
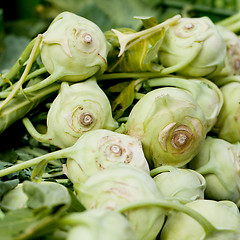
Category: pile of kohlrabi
<point>140,139</point>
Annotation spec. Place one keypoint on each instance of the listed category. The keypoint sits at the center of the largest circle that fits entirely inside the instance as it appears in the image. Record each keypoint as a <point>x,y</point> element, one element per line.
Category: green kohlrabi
<point>170,124</point>
<point>77,109</point>
<point>232,60</point>
<point>223,215</point>
<point>72,48</point>
<point>184,185</point>
<point>97,224</point>
<point>122,184</point>
<point>93,152</point>
<point>197,39</point>
<point>207,94</point>
<point>218,161</point>
<point>228,123</point>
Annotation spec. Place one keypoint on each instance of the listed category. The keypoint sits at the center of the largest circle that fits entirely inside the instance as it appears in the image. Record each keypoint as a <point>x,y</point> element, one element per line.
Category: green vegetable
<point>197,39</point>
<point>77,109</point>
<point>98,224</point>
<point>224,216</point>
<point>205,93</point>
<point>218,162</point>
<point>184,185</point>
<point>228,123</point>
<point>93,152</point>
<point>20,105</point>
<point>170,125</point>
<point>232,60</point>
<point>121,184</point>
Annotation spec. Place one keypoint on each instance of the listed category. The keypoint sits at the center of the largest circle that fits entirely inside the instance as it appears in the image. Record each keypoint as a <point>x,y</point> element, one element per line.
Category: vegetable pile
<point>127,134</point>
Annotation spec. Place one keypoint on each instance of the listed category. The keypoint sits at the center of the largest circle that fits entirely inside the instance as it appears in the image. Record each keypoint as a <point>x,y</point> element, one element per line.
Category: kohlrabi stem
<point>33,162</point>
<point>44,83</point>
<point>33,132</point>
<point>164,72</point>
<point>161,169</point>
<point>124,39</point>
<point>19,63</point>
<point>222,81</point>
<point>235,27</point>
<point>196,48</point>
<point>31,75</point>
<point>25,73</point>
<point>229,20</point>
<point>207,226</point>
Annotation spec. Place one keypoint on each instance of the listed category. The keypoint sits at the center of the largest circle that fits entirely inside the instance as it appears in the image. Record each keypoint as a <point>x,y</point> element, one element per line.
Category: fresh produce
<point>77,109</point>
<point>218,161</point>
<point>224,215</point>
<point>195,39</point>
<point>228,123</point>
<point>94,224</point>
<point>127,133</point>
<point>170,124</point>
<point>93,152</point>
<point>184,185</point>
<point>119,185</point>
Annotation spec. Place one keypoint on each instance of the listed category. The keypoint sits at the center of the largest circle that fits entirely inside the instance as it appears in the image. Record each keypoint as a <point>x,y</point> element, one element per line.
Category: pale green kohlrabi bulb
<point>77,109</point>
<point>74,48</point>
<point>218,161</point>
<point>232,60</point>
<point>98,224</point>
<point>206,93</point>
<point>100,149</point>
<point>228,122</point>
<point>183,185</point>
<point>223,215</point>
<point>170,125</point>
<point>196,39</point>
<point>122,184</point>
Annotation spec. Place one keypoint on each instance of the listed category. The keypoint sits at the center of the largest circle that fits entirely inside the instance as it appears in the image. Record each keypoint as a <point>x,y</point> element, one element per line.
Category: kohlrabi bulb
<point>197,42</point>
<point>78,108</point>
<point>99,149</point>
<point>206,93</point>
<point>223,215</point>
<point>228,122</point>
<point>232,60</point>
<point>184,185</point>
<point>218,161</point>
<point>122,184</point>
<point>170,125</point>
<point>98,224</point>
<point>73,48</point>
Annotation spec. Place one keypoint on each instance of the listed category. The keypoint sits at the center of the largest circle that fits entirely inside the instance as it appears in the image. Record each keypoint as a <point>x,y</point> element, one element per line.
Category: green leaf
<point>7,186</point>
<point>124,100</point>
<point>46,194</point>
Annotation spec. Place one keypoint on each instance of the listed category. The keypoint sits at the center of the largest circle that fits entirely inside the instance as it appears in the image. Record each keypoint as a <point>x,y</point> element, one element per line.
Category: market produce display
<point>131,134</point>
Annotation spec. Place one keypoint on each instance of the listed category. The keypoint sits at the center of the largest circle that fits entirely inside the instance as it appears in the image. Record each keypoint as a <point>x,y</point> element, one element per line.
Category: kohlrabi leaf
<point>124,100</point>
<point>7,186</point>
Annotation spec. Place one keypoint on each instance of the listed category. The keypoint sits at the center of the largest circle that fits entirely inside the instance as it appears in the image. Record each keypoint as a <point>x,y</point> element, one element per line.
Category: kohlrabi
<point>232,60</point>
<point>207,94</point>
<point>228,122</point>
<point>218,161</point>
<point>97,224</point>
<point>93,152</point>
<point>72,48</point>
<point>119,185</point>
<point>170,124</point>
<point>77,109</point>
<point>196,42</point>
<point>184,185</point>
<point>223,215</point>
